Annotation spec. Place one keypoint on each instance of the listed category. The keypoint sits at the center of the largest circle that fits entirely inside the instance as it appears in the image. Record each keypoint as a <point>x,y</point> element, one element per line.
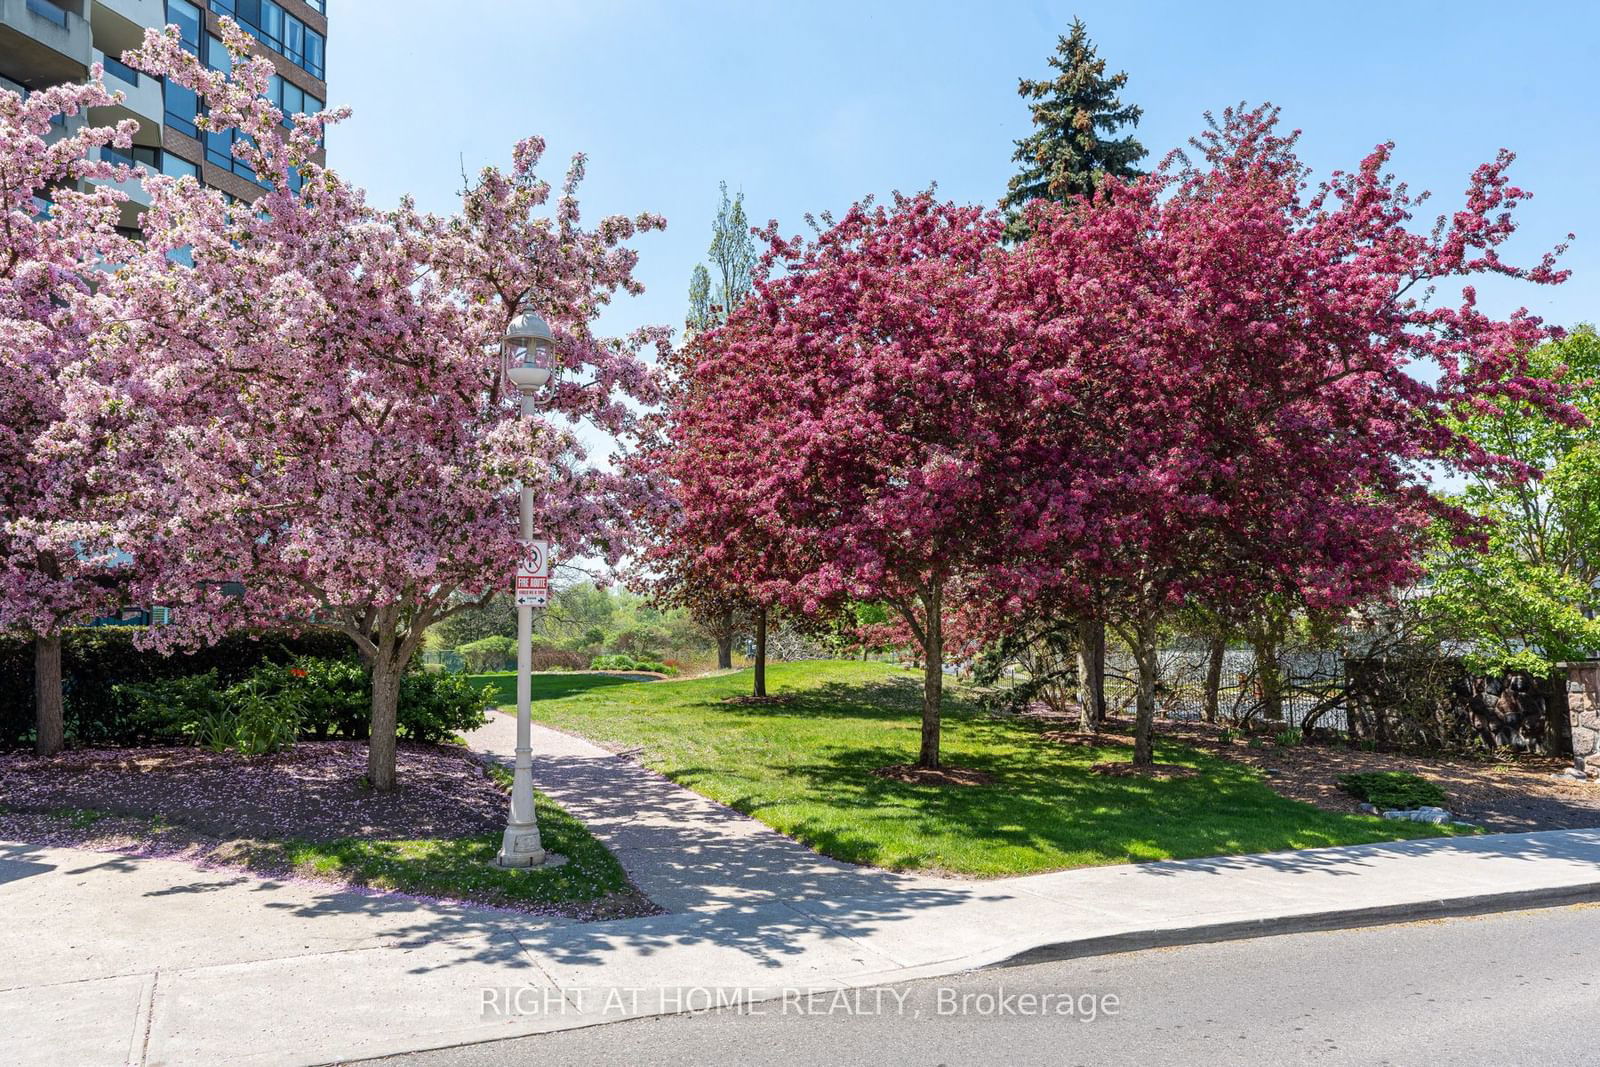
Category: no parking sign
<point>532,587</point>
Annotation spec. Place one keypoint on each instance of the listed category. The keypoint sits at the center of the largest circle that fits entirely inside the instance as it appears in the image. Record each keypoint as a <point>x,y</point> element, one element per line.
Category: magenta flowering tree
<point>704,551</point>
<point>315,388</point>
<point>1276,384</point>
<point>58,559</point>
<point>858,431</point>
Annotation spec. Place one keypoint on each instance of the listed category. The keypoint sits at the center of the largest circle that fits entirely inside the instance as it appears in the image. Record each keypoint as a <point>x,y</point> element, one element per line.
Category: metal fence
<point>1313,685</point>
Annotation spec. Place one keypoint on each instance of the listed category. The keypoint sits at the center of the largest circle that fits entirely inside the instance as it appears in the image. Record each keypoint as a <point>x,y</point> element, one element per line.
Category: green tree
<point>715,292</point>
<point>1077,116</point>
<point>1527,598</point>
<point>699,317</point>
<point>497,617</point>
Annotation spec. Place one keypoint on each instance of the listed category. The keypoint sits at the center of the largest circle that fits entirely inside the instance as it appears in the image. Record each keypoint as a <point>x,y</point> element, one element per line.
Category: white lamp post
<point>529,360</point>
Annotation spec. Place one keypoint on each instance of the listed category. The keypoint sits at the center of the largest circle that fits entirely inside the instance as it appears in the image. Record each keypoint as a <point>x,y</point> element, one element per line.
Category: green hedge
<point>624,662</point>
<point>95,660</point>
<point>308,697</point>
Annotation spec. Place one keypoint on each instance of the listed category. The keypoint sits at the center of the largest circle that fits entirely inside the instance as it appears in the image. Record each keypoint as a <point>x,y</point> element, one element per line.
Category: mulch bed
<point>1080,739</point>
<point>754,701</point>
<point>225,811</point>
<point>312,791</point>
<point>914,775</point>
<point>1519,794</point>
<point>1161,772</point>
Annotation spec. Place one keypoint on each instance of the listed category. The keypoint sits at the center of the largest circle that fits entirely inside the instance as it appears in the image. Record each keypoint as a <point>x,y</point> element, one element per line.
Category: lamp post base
<point>546,860</point>
<point>520,847</point>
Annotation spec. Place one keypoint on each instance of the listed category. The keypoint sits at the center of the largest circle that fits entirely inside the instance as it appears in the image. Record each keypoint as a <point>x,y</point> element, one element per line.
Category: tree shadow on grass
<point>548,686</point>
<point>1047,808</point>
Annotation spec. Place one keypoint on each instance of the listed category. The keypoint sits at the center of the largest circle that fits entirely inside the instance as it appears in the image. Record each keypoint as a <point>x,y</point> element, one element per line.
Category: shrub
<point>433,707</point>
<point>168,710</point>
<point>559,659</point>
<point>101,669</point>
<point>493,653</point>
<point>1390,790</point>
<point>1290,737</point>
<point>625,662</point>
<point>332,698</point>
<point>308,697</point>
<point>264,720</point>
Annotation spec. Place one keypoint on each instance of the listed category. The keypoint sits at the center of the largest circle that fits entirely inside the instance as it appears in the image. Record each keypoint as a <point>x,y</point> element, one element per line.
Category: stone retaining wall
<point>1583,712</point>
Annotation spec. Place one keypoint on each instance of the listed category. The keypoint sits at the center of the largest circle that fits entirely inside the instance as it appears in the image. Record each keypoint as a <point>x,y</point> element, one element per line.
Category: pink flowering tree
<point>316,392</point>
<point>58,561</point>
<point>1277,384</point>
<point>858,421</point>
<point>706,551</point>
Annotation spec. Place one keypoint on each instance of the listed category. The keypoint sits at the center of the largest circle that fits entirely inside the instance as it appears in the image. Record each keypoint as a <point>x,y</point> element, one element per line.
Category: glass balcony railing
<point>46,10</point>
<point>121,71</point>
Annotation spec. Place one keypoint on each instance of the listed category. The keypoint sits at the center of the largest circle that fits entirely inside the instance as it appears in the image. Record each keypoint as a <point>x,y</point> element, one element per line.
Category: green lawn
<point>463,867</point>
<point>803,768</point>
<point>546,686</point>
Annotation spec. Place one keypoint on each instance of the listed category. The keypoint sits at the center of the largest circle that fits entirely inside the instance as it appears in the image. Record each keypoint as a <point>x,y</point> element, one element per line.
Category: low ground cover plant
<point>1392,790</point>
<point>624,662</point>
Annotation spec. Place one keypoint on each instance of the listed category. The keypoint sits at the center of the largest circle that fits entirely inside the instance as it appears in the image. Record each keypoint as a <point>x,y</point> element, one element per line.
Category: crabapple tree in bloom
<point>1272,429</point>
<point>57,559</point>
<point>858,419</point>
<point>695,531</point>
<point>320,397</point>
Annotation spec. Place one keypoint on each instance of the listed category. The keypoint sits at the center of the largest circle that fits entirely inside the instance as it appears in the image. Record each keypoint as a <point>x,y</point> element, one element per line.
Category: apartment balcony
<point>43,43</point>
<point>135,14</point>
<point>141,96</point>
<point>133,188</point>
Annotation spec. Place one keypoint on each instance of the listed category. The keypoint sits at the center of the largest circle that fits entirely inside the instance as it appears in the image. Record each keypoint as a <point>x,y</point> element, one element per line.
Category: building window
<point>314,47</point>
<point>291,99</point>
<point>219,153</point>
<point>217,56</point>
<point>118,69</point>
<point>187,18</point>
<point>180,107</point>
<point>134,156</point>
<point>278,30</point>
<point>178,167</point>
<point>45,9</point>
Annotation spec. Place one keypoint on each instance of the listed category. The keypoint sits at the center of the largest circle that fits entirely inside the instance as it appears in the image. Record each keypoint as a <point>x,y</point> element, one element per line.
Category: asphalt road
<point>1519,988</point>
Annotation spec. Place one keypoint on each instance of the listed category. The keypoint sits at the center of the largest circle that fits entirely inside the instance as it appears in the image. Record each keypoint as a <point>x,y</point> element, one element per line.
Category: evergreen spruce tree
<point>1077,115</point>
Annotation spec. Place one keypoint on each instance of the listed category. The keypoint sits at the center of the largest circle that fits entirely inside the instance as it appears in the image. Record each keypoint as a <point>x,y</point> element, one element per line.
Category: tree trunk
<point>50,731</point>
<point>932,676</point>
<point>1091,673</point>
<point>1214,677</point>
<point>1271,681</point>
<point>725,653</point>
<point>1144,654</point>
<point>385,714</point>
<point>761,652</point>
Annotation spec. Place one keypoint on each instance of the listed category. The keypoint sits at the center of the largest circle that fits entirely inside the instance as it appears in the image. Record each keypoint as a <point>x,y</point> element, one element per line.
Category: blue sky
<point>808,106</point>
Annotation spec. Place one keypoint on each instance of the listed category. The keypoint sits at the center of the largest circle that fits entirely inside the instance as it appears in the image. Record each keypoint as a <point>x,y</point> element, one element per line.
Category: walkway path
<point>683,851</point>
<point>111,959</point>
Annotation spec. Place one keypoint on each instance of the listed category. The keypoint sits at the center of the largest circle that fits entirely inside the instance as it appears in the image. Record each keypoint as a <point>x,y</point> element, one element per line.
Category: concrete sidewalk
<point>112,959</point>
<point>683,851</point>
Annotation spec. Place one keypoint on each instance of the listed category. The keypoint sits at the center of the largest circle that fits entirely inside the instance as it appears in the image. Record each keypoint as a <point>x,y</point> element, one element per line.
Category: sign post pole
<point>520,845</point>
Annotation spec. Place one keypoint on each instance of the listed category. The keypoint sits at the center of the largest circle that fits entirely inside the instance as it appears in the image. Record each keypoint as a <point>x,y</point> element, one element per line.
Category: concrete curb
<point>1312,922</point>
<point>1136,941</point>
